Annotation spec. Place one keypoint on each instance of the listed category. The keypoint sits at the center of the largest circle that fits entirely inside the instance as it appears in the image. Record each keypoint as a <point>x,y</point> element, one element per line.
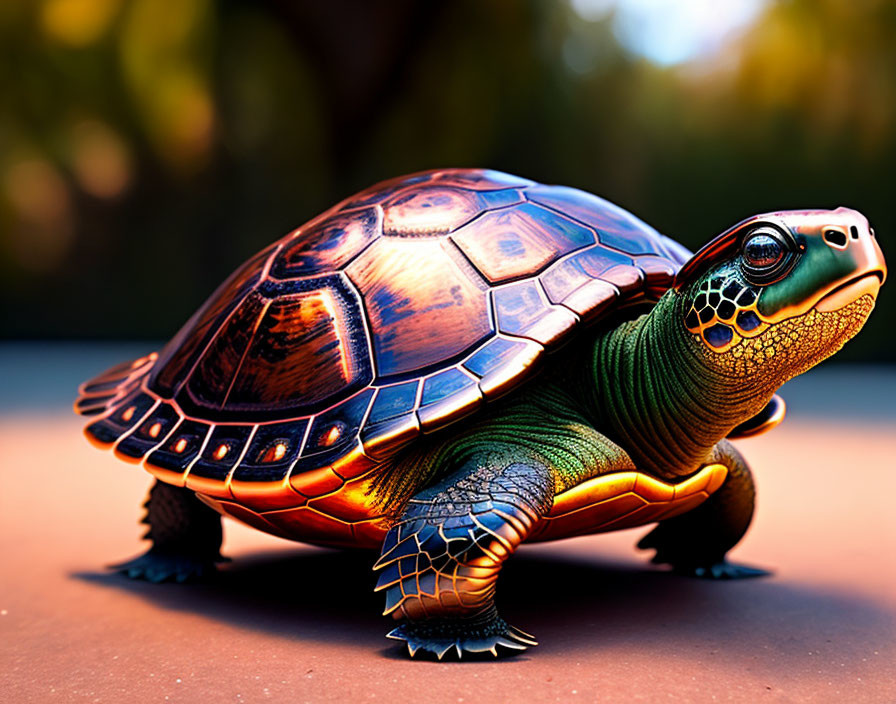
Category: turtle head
<point>778,293</point>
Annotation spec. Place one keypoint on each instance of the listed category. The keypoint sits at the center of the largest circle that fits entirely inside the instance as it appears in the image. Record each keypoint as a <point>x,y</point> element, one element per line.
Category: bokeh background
<point>147,148</point>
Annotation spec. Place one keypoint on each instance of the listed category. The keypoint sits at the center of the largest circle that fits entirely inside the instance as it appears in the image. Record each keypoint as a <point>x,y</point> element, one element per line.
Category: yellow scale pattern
<point>624,500</point>
<point>820,334</point>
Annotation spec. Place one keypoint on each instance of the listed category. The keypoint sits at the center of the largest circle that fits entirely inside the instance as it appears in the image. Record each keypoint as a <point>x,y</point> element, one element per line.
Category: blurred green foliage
<point>147,148</point>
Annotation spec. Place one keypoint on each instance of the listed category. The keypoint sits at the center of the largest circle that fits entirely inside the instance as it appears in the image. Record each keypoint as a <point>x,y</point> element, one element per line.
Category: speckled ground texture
<point>290,623</point>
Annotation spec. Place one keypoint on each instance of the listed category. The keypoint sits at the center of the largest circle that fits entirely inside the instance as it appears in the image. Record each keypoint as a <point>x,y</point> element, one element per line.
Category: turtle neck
<point>650,391</point>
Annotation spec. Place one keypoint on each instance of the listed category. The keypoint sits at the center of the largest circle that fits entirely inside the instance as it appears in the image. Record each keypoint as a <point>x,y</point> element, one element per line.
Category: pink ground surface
<point>285,622</point>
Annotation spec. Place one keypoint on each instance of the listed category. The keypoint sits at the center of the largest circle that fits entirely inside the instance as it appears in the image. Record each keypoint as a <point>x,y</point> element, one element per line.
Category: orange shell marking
<point>340,512</point>
<point>331,436</point>
<point>275,453</point>
<point>623,500</point>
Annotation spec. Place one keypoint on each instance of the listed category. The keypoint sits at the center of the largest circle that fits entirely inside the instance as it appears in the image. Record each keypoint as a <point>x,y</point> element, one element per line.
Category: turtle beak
<point>852,239</point>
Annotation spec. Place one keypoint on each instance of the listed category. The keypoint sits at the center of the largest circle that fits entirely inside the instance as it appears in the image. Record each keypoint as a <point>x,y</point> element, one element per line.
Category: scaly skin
<point>185,534</point>
<point>660,393</point>
<point>649,389</point>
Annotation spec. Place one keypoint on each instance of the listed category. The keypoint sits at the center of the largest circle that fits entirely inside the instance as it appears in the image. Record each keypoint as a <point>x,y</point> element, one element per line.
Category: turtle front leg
<point>186,538</point>
<point>441,559</point>
<point>695,543</point>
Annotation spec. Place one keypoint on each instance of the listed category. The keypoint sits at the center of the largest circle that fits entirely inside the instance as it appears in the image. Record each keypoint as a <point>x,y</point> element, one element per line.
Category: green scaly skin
<point>648,387</point>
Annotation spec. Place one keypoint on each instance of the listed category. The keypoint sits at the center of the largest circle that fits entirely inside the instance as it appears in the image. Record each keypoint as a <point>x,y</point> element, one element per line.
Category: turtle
<point>449,364</point>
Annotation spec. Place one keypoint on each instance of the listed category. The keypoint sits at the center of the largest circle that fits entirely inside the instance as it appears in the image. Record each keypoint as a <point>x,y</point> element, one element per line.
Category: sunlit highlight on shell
<point>331,436</point>
<point>275,453</point>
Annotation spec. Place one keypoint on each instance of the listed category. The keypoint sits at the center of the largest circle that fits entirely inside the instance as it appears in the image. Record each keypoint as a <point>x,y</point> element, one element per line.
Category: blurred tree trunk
<point>360,53</point>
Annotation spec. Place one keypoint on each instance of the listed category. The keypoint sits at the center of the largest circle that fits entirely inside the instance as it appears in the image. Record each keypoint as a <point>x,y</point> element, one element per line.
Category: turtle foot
<point>462,639</point>
<point>720,570</point>
<point>162,566</point>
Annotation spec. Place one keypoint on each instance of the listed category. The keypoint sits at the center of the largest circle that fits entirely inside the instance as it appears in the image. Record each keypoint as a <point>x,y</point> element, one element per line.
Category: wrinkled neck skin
<point>650,390</point>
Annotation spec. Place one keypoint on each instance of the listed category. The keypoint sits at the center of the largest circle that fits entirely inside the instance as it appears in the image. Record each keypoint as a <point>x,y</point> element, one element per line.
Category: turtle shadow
<point>573,603</point>
<point>590,606</point>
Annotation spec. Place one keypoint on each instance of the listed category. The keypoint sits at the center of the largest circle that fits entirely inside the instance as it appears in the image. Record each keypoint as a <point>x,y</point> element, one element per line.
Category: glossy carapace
<point>395,312</point>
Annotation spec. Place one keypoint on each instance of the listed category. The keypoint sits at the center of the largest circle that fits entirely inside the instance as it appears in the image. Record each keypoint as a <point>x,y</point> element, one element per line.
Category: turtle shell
<point>396,312</point>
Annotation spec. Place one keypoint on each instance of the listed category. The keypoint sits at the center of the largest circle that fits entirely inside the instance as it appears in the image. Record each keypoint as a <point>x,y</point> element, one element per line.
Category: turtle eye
<point>763,251</point>
<point>766,256</point>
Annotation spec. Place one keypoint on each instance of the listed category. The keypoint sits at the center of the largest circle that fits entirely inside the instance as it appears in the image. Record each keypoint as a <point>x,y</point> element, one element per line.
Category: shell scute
<point>626,278</point>
<point>125,415</point>
<point>592,300</point>
<point>154,428</point>
<point>273,449</point>
<point>288,355</point>
<point>523,310</point>
<point>211,382</point>
<point>659,273</point>
<point>222,451</point>
<point>327,245</point>
<point>317,481</point>
<point>178,357</point>
<point>392,401</point>
<point>181,447</point>
<point>479,179</point>
<point>93,405</point>
<point>447,396</point>
<point>381,438</point>
<point>616,228</point>
<point>308,349</point>
<point>492,354</point>
<point>338,427</point>
<point>379,192</point>
<point>414,289</point>
<point>582,270</point>
<point>312,526</point>
<point>429,211</point>
<point>501,363</point>
<point>495,200</point>
<point>444,384</point>
<point>516,242</point>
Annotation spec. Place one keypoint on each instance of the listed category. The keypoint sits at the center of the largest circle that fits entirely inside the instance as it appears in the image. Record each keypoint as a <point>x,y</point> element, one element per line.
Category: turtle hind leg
<point>186,538</point>
<point>695,543</point>
<point>441,559</point>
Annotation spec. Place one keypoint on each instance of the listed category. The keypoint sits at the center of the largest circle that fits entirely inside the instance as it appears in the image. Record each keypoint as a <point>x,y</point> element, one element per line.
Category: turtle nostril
<point>835,238</point>
<point>854,232</point>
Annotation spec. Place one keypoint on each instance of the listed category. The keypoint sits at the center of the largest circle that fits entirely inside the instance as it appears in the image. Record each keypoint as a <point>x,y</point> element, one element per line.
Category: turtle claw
<point>520,636</point>
<point>159,566</point>
<point>499,640</point>
<point>720,570</point>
